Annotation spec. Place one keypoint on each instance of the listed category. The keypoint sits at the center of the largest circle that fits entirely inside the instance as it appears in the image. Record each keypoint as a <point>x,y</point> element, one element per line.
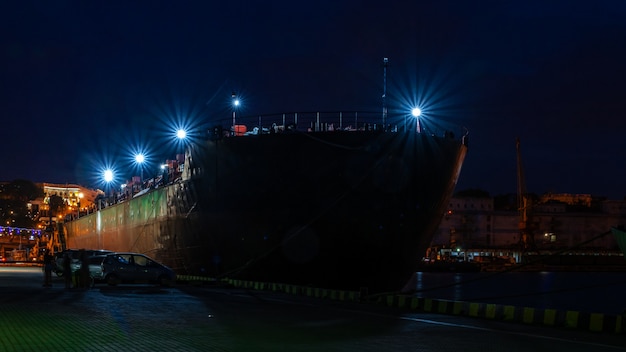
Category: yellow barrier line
<point>596,321</point>
<point>442,307</point>
<point>490,311</point>
<point>457,308</point>
<point>549,317</point>
<point>415,302</point>
<point>571,319</point>
<point>528,315</point>
<point>428,304</point>
<point>402,301</point>
<point>509,312</point>
<point>474,309</point>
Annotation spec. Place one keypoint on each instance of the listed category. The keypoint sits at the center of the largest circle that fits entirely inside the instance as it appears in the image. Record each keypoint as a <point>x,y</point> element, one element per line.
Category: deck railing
<point>331,121</point>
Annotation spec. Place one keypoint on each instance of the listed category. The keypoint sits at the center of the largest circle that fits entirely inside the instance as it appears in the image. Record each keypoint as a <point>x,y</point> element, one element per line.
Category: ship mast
<point>385,62</point>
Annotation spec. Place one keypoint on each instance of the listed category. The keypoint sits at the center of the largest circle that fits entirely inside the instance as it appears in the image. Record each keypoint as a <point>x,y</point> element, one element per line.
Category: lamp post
<point>165,173</point>
<point>182,134</point>
<point>235,105</point>
<point>139,159</point>
<point>108,178</point>
<point>416,112</point>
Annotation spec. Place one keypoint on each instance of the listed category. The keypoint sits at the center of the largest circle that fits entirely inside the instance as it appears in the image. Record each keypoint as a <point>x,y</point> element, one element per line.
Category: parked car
<point>74,254</point>
<point>126,267</point>
<point>95,268</point>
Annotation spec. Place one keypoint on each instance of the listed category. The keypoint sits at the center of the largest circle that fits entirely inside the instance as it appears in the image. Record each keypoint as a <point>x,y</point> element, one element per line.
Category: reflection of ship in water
<point>341,207</point>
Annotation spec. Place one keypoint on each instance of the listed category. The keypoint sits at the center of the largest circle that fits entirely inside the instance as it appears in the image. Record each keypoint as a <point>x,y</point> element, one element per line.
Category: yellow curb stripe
<point>474,309</point>
<point>549,317</point>
<point>596,321</point>
<point>528,315</point>
<point>490,311</point>
<point>571,319</point>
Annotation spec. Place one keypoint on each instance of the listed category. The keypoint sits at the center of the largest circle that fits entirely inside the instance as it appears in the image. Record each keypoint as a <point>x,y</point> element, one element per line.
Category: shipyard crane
<point>524,206</point>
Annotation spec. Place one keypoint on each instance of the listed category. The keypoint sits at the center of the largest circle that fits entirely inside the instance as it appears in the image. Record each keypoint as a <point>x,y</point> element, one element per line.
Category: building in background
<point>77,198</point>
<point>575,225</point>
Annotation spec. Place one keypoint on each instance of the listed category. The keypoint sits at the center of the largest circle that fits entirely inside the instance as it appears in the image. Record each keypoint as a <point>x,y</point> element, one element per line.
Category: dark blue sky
<point>82,83</point>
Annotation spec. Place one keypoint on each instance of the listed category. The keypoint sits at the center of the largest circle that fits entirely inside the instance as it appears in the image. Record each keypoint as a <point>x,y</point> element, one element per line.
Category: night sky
<point>85,83</point>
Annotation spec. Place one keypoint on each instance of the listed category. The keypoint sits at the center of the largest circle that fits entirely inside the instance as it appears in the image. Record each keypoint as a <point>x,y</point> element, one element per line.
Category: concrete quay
<point>198,316</point>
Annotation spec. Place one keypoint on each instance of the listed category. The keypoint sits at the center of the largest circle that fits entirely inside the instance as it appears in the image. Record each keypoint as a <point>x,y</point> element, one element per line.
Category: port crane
<point>524,206</point>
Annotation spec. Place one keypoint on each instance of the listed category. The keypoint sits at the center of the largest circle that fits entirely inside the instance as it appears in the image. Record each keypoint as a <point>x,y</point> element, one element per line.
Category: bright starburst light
<point>108,175</point>
<point>431,88</point>
<point>139,158</point>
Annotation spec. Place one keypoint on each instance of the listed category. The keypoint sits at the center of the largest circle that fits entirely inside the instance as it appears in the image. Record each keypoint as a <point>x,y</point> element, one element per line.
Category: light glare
<point>139,158</point>
<point>108,175</point>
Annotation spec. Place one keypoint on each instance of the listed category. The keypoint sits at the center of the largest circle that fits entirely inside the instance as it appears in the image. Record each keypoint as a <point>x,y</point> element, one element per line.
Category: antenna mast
<point>385,62</point>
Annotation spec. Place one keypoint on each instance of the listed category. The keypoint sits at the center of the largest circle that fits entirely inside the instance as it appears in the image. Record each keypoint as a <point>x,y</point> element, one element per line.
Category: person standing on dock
<point>48,265</point>
<point>83,272</point>
<point>67,269</point>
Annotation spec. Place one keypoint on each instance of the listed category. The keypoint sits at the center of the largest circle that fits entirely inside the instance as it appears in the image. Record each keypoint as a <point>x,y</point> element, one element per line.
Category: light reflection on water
<point>596,292</point>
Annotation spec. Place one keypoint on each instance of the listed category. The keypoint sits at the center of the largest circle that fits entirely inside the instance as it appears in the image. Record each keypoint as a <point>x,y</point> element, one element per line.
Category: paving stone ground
<point>188,318</point>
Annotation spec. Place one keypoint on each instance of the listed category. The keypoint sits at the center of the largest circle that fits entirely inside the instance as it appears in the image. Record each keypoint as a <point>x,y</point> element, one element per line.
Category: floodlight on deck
<point>108,175</point>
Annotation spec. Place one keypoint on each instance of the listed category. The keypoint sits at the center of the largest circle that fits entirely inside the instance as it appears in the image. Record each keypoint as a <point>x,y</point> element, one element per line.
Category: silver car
<point>126,267</point>
<point>75,260</point>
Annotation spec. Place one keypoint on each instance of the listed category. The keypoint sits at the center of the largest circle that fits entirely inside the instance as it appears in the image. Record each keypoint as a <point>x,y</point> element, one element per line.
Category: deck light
<point>416,112</point>
<point>139,159</point>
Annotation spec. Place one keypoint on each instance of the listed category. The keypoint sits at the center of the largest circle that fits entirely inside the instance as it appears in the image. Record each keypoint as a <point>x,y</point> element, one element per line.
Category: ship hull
<point>340,209</point>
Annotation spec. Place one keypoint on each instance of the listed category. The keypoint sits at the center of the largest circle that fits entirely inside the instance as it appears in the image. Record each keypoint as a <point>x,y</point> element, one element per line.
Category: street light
<point>139,159</point>
<point>108,178</point>
<point>235,105</point>
<point>416,112</point>
<point>165,173</point>
<point>181,134</point>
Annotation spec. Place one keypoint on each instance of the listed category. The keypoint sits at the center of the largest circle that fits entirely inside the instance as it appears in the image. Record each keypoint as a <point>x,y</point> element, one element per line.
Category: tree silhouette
<point>57,205</point>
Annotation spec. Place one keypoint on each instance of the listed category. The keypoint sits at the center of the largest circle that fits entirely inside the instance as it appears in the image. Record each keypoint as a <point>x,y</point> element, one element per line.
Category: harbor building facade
<point>475,227</point>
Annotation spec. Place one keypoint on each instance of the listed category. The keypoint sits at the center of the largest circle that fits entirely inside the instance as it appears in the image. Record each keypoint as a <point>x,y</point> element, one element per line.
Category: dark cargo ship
<point>300,198</point>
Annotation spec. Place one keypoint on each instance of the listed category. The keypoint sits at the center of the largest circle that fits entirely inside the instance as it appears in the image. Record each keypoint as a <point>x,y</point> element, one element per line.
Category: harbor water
<point>592,292</point>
